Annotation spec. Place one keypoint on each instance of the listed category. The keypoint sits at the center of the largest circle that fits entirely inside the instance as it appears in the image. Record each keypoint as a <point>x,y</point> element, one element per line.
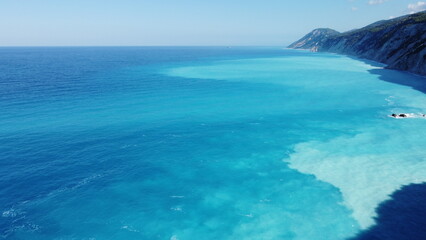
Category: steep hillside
<point>400,43</point>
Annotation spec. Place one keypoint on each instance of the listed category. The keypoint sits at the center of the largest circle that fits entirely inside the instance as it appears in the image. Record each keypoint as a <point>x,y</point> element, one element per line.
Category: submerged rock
<point>408,115</point>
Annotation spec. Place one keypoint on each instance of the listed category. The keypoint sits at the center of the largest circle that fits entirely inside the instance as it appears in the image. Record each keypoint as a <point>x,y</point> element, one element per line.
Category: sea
<point>208,143</point>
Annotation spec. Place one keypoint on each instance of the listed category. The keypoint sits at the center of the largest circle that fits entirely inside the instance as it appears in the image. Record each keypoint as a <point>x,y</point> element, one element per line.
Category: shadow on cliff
<point>401,218</point>
<point>403,78</point>
<point>398,77</point>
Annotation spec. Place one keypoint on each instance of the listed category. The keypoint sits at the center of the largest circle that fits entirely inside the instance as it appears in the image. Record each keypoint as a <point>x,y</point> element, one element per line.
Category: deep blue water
<point>201,143</point>
<point>401,218</point>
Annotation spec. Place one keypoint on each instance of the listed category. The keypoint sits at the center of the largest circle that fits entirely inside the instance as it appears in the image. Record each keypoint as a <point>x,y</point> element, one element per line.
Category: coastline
<point>419,86</point>
<point>397,42</point>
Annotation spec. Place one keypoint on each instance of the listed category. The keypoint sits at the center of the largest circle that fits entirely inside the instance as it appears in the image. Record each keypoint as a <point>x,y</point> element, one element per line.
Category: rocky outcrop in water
<point>400,42</point>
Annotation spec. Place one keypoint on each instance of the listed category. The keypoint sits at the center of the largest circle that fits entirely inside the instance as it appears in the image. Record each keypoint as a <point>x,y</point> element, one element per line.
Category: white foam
<point>249,215</point>
<point>177,208</point>
<point>129,228</point>
<point>176,196</point>
<point>9,213</point>
<point>390,100</point>
<point>366,168</point>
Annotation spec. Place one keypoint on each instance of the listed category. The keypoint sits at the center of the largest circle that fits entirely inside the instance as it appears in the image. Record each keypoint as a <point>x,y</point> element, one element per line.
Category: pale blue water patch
<point>377,155</point>
<point>305,79</point>
<point>188,143</point>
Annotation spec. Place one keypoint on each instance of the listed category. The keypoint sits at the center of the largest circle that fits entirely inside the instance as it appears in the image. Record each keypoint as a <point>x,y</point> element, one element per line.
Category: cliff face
<point>400,43</point>
<point>314,39</point>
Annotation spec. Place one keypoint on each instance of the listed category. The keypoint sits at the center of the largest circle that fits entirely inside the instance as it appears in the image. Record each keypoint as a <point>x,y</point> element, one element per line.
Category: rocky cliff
<point>400,42</point>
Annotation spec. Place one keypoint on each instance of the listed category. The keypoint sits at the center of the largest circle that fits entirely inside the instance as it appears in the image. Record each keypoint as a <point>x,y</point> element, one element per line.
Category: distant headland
<point>400,42</point>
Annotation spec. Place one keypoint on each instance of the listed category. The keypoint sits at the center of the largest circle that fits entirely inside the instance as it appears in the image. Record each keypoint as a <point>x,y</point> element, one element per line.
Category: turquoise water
<point>201,143</point>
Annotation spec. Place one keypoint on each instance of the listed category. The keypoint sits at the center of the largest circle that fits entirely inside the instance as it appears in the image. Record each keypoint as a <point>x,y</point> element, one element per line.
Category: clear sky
<point>184,22</point>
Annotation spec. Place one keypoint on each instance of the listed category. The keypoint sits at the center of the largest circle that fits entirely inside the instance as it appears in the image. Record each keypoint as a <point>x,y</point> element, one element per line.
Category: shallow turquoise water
<point>201,143</point>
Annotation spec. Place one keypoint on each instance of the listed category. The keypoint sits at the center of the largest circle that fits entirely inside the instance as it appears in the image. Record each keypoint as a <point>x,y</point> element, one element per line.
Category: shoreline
<point>397,42</point>
<point>419,86</point>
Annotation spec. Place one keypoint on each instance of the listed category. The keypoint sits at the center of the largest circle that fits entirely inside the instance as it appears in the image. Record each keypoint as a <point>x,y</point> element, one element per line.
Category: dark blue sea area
<point>403,217</point>
<point>183,143</point>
